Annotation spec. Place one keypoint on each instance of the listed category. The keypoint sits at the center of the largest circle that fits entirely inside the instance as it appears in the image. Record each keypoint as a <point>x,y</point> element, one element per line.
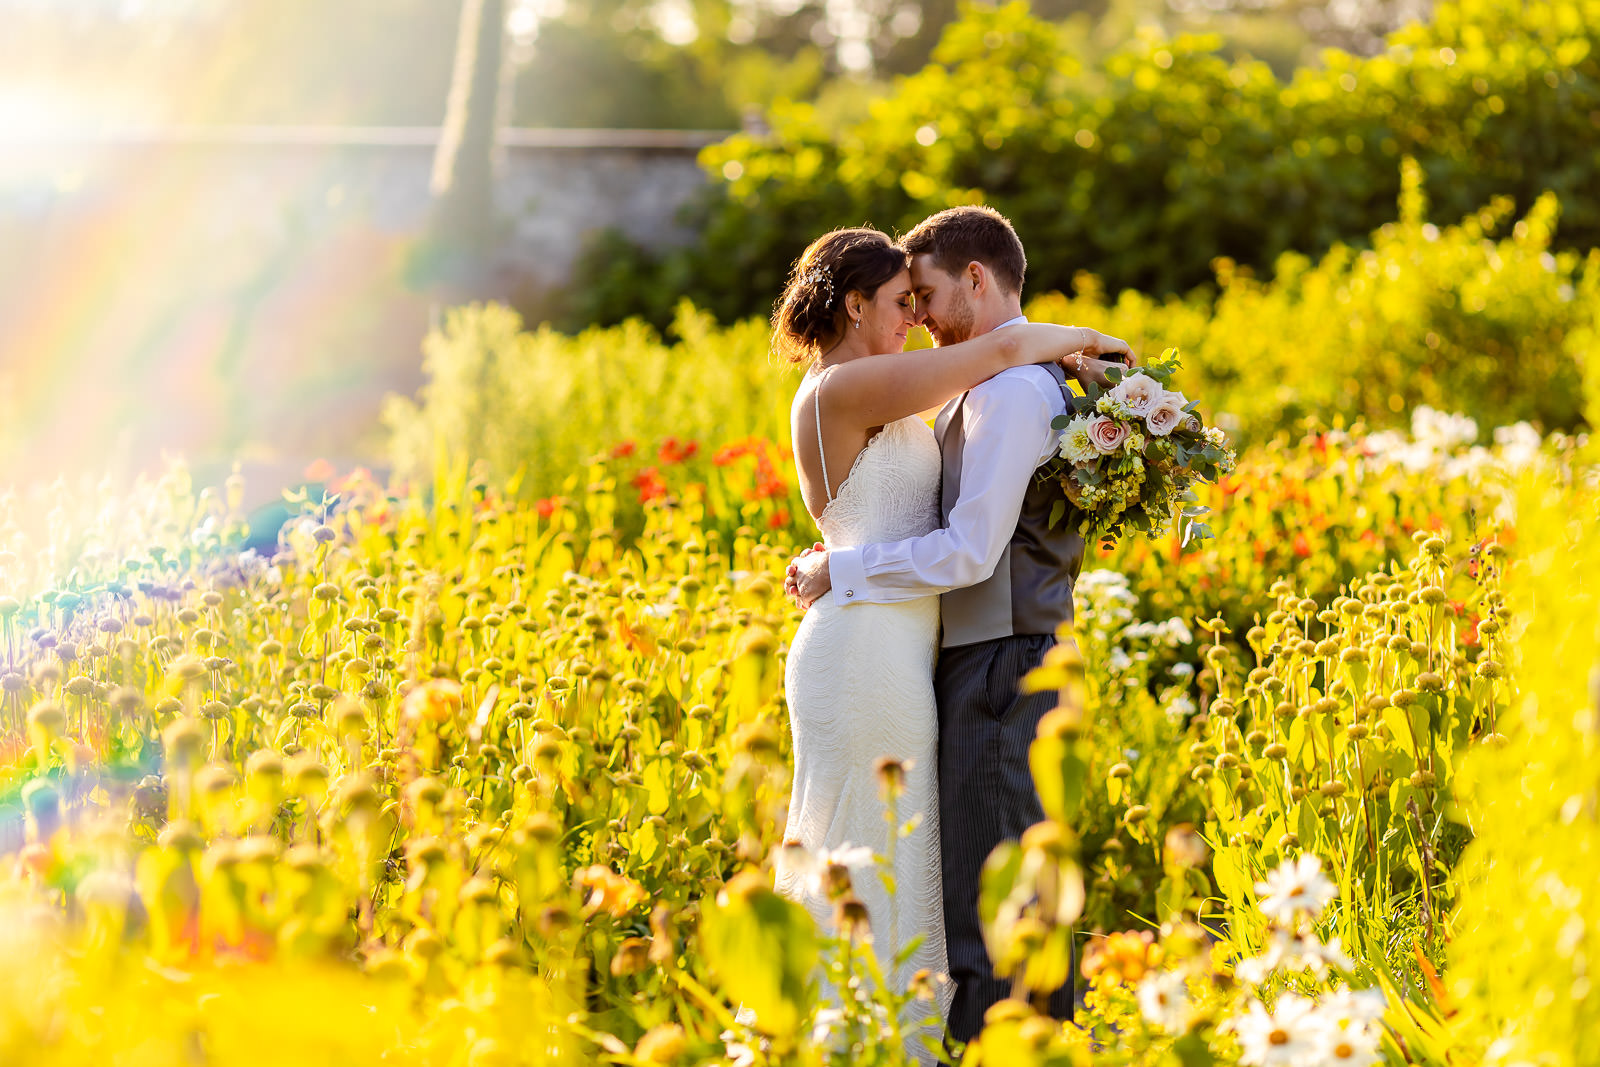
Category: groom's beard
<point>955,325</point>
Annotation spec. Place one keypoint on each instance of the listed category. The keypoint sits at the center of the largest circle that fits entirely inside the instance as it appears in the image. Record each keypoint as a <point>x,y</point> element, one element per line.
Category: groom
<point>1006,577</point>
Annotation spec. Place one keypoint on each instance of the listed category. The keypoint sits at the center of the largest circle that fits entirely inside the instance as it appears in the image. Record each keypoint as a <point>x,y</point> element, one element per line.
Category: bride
<point>859,683</point>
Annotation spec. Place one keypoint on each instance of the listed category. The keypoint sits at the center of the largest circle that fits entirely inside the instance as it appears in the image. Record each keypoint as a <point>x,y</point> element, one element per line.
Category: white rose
<point>1164,417</point>
<point>1138,393</point>
<point>1076,448</point>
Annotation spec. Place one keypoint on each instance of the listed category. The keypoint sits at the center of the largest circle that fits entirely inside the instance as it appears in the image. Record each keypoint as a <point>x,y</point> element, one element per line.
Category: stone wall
<point>557,187</point>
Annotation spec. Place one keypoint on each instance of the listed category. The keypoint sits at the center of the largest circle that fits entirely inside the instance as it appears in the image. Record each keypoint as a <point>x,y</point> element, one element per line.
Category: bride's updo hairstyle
<point>811,316</point>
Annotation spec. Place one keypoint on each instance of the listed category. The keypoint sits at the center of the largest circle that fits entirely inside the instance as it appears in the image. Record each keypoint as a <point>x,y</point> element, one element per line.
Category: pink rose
<point>1163,418</point>
<point>1107,435</point>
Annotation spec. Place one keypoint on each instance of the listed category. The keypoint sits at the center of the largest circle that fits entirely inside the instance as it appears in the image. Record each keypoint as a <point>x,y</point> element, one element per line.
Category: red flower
<point>1302,547</point>
<point>779,520</point>
<point>547,507</point>
<point>624,448</point>
<point>728,453</point>
<point>650,484</point>
<point>674,451</point>
<point>768,482</point>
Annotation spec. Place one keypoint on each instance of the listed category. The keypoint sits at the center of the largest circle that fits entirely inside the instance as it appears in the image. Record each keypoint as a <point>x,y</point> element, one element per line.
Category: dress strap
<point>816,407</point>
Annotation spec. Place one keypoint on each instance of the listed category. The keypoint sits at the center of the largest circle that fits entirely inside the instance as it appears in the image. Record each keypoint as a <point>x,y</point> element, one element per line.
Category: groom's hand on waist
<point>807,578</point>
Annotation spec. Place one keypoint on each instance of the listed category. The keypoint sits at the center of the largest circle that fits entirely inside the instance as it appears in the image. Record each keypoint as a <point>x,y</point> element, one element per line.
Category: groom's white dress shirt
<point>1008,435</point>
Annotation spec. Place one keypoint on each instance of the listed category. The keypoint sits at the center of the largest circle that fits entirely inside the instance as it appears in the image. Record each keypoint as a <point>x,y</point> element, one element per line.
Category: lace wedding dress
<point>859,683</point>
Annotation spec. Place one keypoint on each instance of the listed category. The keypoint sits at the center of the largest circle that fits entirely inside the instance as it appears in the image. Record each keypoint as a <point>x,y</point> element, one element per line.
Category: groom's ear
<point>976,275</point>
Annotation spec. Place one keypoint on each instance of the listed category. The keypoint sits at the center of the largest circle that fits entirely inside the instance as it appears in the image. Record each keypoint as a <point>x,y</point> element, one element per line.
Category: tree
<point>463,223</point>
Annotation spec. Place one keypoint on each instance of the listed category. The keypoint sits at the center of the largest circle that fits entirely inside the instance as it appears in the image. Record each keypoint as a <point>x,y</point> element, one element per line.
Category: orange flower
<point>436,700</point>
<point>607,891</point>
<point>1122,957</point>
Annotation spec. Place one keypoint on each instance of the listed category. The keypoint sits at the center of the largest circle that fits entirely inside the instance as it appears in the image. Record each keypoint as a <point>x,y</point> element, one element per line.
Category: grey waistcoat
<point>1030,591</point>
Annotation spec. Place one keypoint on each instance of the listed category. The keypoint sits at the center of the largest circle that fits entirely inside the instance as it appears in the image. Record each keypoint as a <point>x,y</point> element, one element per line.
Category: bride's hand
<point>1105,347</point>
<point>792,574</point>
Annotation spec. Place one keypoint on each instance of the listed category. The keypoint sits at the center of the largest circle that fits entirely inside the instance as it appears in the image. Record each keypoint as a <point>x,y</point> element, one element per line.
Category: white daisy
<point>1349,1007</point>
<point>1279,949</point>
<point>1164,1000</point>
<point>1295,888</point>
<point>1280,1038</point>
<point>1319,957</point>
<point>1352,1046</point>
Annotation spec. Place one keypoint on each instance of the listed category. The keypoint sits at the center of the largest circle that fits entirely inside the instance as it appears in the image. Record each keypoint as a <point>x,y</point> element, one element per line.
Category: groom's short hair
<point>959,235</point>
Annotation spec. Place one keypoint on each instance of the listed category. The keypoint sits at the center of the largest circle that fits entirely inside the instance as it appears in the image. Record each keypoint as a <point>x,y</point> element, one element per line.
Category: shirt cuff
<point>848,574</point>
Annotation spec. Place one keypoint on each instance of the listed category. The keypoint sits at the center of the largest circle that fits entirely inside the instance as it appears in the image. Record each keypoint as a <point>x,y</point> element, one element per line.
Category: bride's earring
<point>858,324</point>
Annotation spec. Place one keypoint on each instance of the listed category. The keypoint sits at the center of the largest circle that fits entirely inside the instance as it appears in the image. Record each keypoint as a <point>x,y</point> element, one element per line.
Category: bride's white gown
<point>859,683</point>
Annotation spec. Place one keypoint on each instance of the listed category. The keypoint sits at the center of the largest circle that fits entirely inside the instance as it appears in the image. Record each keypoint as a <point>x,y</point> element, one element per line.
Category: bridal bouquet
<point>1129,455</point>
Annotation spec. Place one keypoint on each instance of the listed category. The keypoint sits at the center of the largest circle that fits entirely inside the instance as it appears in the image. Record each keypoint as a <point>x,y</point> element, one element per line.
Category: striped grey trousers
<point>986,795</point>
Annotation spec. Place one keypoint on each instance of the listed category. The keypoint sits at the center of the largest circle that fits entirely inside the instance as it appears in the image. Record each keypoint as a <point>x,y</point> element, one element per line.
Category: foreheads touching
<point>967,268</point>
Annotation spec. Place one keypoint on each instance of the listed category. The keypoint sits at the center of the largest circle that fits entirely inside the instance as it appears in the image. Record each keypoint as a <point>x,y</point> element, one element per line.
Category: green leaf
<point>1114,374</point>
<point>909,950</point>
<point>658,786</point>
<point>1060,422</point>
<point>647,842</point>
<point>1057,510</point>
<point>1060,771</point>
<point>763,947</point>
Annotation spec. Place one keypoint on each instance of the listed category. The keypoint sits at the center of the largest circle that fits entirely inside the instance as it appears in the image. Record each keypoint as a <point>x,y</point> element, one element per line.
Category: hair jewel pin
<point>820,278</point>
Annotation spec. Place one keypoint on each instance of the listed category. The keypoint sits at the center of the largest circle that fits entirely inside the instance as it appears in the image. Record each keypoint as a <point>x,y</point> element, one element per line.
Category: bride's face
<point>889,315</point>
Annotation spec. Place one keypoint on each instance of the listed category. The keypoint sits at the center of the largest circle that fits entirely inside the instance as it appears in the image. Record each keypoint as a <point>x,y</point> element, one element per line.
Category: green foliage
<point>1147,166</point>
<point>1450,317</point>
<point>540,404</point>
<point>1519,958</point>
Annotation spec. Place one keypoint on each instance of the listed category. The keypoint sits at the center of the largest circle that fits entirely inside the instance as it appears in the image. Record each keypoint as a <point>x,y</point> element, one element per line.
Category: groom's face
<point>943,303</point>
